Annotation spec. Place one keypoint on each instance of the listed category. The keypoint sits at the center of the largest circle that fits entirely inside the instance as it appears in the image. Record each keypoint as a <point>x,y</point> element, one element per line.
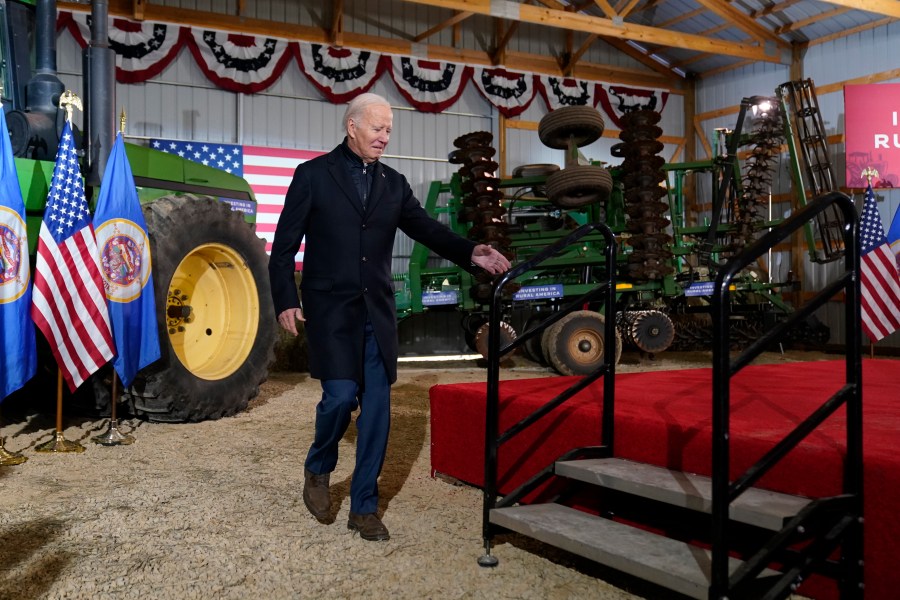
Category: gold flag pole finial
<point>69,102</point>
<point>122,119</point>
<point>869,173</point>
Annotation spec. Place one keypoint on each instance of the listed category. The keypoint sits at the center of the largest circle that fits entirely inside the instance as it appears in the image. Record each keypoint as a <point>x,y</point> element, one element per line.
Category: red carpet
<point>664,417</point>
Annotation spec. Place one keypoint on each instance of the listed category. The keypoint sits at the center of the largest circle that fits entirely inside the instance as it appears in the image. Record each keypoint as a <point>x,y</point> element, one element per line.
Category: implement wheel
<point>574,344</point>
<point>216,319</point>
<point>582,124</point>
<point>652,331</point>
<point>579,185</point>
<point>507,335</point>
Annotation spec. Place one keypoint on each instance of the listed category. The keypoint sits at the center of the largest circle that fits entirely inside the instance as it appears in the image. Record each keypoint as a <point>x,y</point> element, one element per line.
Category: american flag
<point>68,300</point>
<point>879,280</point>
<point>267,170</point>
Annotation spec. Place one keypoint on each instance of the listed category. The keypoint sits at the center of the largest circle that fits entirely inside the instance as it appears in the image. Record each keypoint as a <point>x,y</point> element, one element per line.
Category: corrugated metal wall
<point>845,60</point>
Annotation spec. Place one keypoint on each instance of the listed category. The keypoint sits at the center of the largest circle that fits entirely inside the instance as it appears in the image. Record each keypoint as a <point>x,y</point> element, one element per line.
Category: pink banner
<point>872,133</point>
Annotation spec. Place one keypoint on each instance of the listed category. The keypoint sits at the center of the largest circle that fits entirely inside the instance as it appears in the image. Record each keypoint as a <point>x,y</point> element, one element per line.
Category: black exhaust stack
<point>99,64</point>
<point>34,132</point>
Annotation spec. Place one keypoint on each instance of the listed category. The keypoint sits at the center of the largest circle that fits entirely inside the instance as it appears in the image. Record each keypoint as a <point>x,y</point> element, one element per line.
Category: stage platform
<point>664,418</point>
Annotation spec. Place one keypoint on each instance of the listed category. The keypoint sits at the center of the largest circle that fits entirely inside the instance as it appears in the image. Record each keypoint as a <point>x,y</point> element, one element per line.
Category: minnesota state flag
<point>125,263</point>
<point>18,353</point>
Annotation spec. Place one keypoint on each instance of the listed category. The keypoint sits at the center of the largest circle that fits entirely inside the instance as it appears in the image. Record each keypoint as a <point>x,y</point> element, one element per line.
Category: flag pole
<point>7,458</point>
<point>59,443</point>
<point>869,173</point>
<point>114,437</point>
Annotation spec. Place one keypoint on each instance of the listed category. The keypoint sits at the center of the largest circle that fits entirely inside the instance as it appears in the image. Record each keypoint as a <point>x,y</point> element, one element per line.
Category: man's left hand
<point>489,259</point>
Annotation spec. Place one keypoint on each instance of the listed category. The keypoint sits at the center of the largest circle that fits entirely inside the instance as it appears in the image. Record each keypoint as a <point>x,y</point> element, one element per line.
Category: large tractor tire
<point>216,319</point>
<point>574,344</point>
<point>579,185</point>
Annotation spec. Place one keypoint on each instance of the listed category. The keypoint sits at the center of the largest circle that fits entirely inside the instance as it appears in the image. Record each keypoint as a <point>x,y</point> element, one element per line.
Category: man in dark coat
<point>349,206</point>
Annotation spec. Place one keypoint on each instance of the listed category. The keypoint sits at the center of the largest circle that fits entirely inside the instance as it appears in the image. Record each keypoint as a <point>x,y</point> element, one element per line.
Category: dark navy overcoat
<point>347,260</point>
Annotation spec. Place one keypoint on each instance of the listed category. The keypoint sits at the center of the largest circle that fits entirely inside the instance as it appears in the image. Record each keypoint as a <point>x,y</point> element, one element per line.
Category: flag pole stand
<point>114,437</point>
<point>59,443</point>
<point>8,459</point>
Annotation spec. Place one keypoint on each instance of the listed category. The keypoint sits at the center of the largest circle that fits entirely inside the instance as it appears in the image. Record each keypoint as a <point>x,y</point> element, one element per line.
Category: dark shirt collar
<point>353,158</point>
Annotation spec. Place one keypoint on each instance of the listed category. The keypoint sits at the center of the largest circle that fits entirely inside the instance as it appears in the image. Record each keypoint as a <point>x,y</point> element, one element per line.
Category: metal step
<point>666,562</point>
<point>758,507</point>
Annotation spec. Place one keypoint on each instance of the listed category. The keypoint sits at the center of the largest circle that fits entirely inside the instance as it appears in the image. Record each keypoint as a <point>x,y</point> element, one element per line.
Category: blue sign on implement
<point>244,206</point>
<point>440,298</point>
<point>538,292</point>
<point>700,288</point>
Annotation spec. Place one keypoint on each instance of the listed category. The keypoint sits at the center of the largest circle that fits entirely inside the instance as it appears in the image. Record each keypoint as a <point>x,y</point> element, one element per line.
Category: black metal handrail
<point>724,491</point>
<point>493,437</point>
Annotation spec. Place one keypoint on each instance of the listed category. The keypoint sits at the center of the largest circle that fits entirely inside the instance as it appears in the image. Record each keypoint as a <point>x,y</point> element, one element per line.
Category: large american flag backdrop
<point>267,170</point>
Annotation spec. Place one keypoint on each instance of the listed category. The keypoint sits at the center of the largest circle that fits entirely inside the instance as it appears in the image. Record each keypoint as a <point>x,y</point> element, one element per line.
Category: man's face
<point>369,137</point>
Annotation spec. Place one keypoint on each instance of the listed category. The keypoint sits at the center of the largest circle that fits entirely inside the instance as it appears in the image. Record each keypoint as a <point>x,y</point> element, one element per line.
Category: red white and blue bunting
<point>429,86</point>
<point>564,91</point>
<point>341,74</point>
<point>239,63</point>
<point>142,50</point>
<point>617,100</point>
<point>249,64</point>
<point>509,91</point>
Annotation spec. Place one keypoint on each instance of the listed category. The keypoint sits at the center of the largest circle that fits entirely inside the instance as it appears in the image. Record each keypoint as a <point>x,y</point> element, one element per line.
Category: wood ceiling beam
<point>500,50</point>
<point>607,8</point>
<point>682,17</point>
<point>742,22</point>
<point>642,57</point>
<point>575,56</point>
<point>525,13</point>
<point>773,9</point>
<point>337,23</point>
<point>815,19</point>
<point>452,21</point>
<point>626,10</point>
<point>514,60</point>
<point>681,64</point>
<point>889,8</point>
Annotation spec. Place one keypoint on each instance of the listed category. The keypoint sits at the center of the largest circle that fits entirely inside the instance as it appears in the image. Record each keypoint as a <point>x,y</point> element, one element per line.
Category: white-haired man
<point>349,206</point>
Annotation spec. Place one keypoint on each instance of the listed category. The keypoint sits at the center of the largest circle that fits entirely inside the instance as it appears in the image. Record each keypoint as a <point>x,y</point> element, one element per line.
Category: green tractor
<point>216,320</point>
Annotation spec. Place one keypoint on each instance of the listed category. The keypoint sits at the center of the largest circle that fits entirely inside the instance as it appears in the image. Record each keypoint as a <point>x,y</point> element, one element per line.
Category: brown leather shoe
<point>316,496</point>
<point>368,526</point>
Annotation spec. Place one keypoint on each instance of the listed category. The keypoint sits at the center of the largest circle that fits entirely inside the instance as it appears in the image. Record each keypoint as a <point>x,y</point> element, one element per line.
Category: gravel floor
<point>213,510</point>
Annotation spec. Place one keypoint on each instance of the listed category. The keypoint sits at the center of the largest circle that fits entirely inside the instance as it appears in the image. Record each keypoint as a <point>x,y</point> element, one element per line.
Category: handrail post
<point>492,409</point>
<point>723,369</point>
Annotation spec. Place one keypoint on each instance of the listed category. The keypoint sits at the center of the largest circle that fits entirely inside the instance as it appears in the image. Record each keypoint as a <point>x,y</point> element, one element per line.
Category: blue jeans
<point>340,397</point>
